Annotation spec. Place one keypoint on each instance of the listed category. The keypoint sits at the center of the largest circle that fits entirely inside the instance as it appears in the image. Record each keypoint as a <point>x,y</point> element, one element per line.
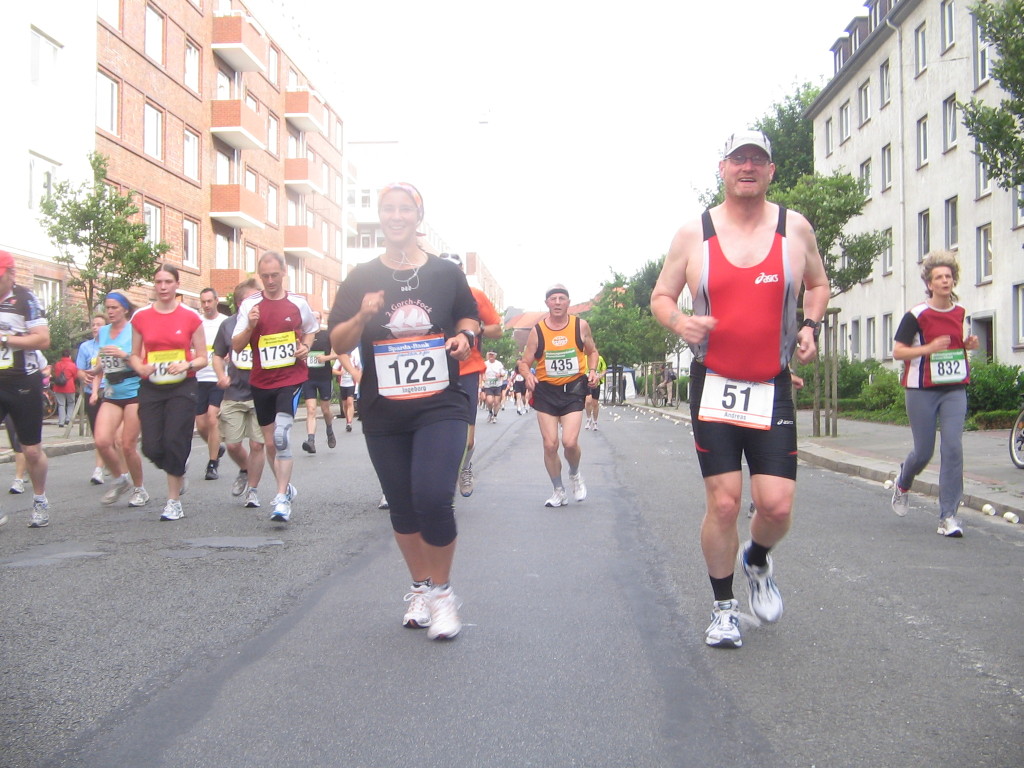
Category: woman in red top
<point>65,392</point>
<point>168,346</point>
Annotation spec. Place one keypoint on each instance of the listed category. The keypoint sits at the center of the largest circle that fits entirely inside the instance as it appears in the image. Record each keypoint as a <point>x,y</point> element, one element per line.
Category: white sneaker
<point>40,517</point>
<point>18,486</point>
<point>765,599</point>
<point>900,498</point>
<point>444,614</point>
<point>558,499</point>
<point>282,509</point>
<point>383,503</point>
<point>173,510</point>
<point>241,483</point>
<point>724,631</point>
<point>140,497</point>
<point>97,476</point>
<point>594,427</point>
<point>252,498</point>
<point>417,615</point>
<point>120,488</point>
<point>466,481</point>
<point>579,488</point>
<point>291,492</point>
<point>950,527</point>
<point>3,520</point>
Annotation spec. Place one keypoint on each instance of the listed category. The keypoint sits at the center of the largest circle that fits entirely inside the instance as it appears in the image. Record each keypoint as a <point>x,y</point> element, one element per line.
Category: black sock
<point>757,555</point>
<point>722,588</point>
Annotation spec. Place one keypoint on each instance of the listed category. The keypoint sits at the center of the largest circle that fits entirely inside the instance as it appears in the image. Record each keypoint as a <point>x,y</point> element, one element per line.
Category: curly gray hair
<point>939,259</point>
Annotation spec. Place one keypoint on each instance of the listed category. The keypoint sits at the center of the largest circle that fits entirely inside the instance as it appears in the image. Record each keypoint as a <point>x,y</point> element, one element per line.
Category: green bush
<point>883,392</point>
<point>993,387</point>
<point>994,419</point>
<point>852,376</point>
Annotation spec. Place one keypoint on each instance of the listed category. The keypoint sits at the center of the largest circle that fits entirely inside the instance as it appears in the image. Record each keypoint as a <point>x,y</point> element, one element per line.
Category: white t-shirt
<point>210,328</point>
<point>494,373</point>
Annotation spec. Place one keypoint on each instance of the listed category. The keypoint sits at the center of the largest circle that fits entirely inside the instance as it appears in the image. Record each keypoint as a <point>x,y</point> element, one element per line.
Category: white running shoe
<point>97,476</point>
<point>466,481</point>
<point>18,486</point>
<point>383,503</point>
<point>417,615</point>
<point>173,510</point>
<point>579,488</point>
<point>241,483</point>
<point>282,509</point>
<point>950,527</point>
<point>444,614</point>
<point>40,517</point>
<point>594,427</point>
<point>140,497</point>
<point>120,488</point>
<point>765,599</point>
<point>724,631</point>
<point>900,498</point>
<point>291,492</point>
<point>558,499</point>
<point>3,520</point>
<point>252,498</point>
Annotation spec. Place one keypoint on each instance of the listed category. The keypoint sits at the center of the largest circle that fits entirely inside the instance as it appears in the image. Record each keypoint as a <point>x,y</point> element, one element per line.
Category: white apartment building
<point>49,126</point>
<point>889,116</point>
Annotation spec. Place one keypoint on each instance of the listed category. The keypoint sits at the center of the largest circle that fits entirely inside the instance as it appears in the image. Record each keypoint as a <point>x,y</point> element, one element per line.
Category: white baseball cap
<point>747,138</point>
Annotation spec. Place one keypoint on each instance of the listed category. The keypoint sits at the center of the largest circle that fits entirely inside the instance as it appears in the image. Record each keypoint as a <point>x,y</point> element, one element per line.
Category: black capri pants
<point>417,472</point>
<point>167,413</point>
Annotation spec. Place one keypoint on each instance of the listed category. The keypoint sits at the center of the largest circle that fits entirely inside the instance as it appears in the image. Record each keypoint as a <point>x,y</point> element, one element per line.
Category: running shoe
<point>348,427</point>
<point>900,497</point>
<point>240,484</point>
<point>558,499</point>
<point>252,498</point>
<point>444,614</point>
<point>140,497</point>
<point>172,510</point>
<point>212,472</point>
<point>579,488</point>
<point>120,488</point>
<point>332,441</point>
<point>18,486</point>
<point>282,509</point>
<point>587,425</point>
<point>97,476</point>
<point>417,615</point>
<point>466,481</point>
<point>765,600</point>
<point>383,504</point>
<point>594,427</point>
<point>309,445</point>
<point>724,631</point>
<point>40,517</point>
<point>3,520</point>
<point>291,492</point>
<point>221,451</point>
<point>950,527</point>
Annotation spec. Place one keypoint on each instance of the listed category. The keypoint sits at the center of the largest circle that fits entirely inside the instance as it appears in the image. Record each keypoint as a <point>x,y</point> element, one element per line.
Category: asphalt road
<point>226,640</point>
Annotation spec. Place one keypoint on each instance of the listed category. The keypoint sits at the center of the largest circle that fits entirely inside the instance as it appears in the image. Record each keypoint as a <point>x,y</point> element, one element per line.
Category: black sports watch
<point>469,335</point>
<point>816,327</point>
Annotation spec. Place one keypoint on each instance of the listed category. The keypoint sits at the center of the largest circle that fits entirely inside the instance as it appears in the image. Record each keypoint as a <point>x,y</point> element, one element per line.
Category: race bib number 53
<point>411,368</point>
<point>743,403</point>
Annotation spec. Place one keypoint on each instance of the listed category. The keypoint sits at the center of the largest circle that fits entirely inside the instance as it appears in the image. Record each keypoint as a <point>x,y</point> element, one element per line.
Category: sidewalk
<point>874,452</point>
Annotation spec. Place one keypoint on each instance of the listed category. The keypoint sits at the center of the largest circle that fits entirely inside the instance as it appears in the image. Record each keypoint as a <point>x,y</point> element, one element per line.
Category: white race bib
<point>411,368</point>
<point>948,366</point>
<point>315,359</point>
<point>6,357</point>
<point>242,360</point>
<point>743,403</point>
<point>562,363</point>
<point>113,364</point>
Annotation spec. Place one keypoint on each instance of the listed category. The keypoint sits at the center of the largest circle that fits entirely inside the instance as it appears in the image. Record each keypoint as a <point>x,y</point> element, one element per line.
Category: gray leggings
<point>949,406</point>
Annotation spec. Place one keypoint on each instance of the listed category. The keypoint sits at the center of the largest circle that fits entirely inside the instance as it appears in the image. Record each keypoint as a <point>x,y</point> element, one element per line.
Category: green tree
<point>505,347</point>
<point>97,236</point>
<point>625,332</point>
<point>1000,130</point>
<point>69,327</point>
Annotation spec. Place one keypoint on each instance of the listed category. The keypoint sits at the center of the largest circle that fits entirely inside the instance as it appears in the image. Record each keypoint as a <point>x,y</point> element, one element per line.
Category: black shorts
<point>492,391</point>
<point>595,392</point>
<point>470,383</point>
<point>123,402</point>
<point>208,395</point>
<point>317,389</point>
<point>270,402</point>
<point>344,393</point>
<point>519,387</point>
<point>21,398</point>
<point>558,399</point>
<point>721,447</point>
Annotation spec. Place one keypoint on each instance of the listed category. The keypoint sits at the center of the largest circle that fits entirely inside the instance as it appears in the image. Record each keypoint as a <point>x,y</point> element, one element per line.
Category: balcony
<point>302,175</point>
<point>303,242</point>
<point>239,42</point>
<point>233,122</point>
<point>236,206</point>
<point>304,109</point>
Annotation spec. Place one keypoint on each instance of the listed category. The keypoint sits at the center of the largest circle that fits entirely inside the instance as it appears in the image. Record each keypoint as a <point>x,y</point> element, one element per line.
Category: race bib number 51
<point>411,368</point>
<point>743,403</point>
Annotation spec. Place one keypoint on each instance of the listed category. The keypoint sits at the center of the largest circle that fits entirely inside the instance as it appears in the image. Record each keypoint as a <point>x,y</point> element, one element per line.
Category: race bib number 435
<point>743,403</point>
<point>411,368</point>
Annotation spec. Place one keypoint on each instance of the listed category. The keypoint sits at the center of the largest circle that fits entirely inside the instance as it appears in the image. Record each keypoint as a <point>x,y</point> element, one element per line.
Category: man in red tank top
<point>744,262</point>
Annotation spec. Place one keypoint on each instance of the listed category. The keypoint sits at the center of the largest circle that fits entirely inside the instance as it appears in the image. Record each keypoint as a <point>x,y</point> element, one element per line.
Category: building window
<point>884,92</point>
<point>154,43</point>
<point>829,140</point>
<point>42,175</point>
<point>107,103</point>
<point>251,102</point>
<point>251,180</point>
<point>1017,211</point>
<point>864,102</point>
<point>982,179</point>
<point>272,204</point>
<point>920,49</point>
<point>887,260</point>
<point>272,65</point>
<point>924,234</point>
<point>110,12</point>
<point>225,85</point>
<point>870,352</point>
<point>325,237</point>
<point>325,178</point>
<point>946,14</point>
<point>293,79</point>
<point>984,260</point>
<point>952,223</point>
<point>865,177</point>
<point>273,135</point>
<point>982,57</point>
<point>153,131</point>
<point>339,135</point>
<point>190,243</point>
<point>922,141</point>
<point>221,251</point>
<point>886,167</point>
<point>192,66</point>
<point>190,154</point>
<point>365,199</point>
<point>43,65</point>
<point>223,169</point>
<point>1018,315</point>
<point>844,122</point>
<point>855,340</point>
<point>325,289</point>
<point>887,336</point>
<point>250,258</point>
<point>950,118</point>
<point>151,218</point>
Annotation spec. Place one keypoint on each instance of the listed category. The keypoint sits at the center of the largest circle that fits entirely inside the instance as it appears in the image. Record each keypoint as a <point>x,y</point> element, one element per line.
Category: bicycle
<point>1017,441</point>
<point>49,404</point>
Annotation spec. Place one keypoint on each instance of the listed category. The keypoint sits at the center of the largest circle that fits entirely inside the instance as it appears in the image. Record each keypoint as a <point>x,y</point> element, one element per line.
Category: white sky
<point>560,140</point>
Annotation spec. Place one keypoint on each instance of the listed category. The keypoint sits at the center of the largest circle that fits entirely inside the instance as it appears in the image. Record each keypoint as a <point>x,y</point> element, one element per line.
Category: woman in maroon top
<point>168,346</point>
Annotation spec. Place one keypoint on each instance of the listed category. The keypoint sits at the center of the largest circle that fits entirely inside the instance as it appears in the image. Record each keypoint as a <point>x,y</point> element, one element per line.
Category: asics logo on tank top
<point>763,278</point>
